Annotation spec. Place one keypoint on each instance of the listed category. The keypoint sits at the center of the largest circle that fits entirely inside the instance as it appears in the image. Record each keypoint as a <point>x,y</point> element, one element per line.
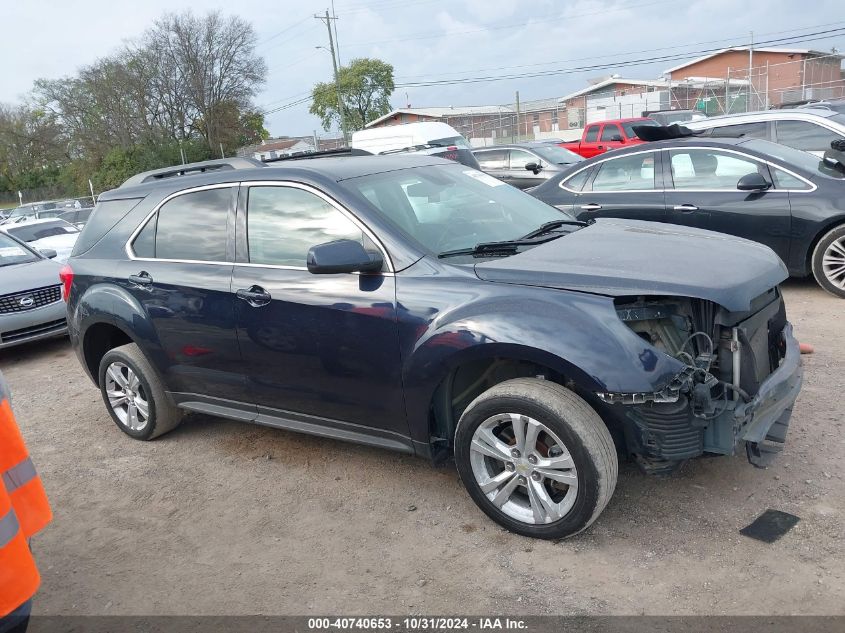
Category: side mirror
<point>618,138</point>
<point>48,253</point>
<point>342,256</point>
<point>535,167</point>
<point>753,182</point>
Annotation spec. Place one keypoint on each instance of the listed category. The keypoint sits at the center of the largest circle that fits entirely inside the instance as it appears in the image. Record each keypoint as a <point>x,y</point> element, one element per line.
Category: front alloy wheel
<point>523,468</point>
<point>828,261</point>
<point>536,458</point>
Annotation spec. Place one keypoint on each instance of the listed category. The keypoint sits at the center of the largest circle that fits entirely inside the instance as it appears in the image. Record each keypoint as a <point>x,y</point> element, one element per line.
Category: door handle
<point>600,147</point>
<point>591,207</point>
<point>685,208</point>
<point>141,279</point>
<point>255,296</point>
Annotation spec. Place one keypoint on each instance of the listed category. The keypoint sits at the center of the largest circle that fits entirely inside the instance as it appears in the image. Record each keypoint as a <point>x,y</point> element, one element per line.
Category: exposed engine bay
<point>709,406</point>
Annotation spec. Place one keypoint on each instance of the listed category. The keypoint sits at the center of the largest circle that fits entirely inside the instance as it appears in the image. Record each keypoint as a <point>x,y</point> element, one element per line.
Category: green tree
<point>365,88</point>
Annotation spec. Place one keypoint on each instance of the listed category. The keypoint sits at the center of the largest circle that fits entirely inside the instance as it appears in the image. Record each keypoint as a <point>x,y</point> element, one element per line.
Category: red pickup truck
<point>607,135</point>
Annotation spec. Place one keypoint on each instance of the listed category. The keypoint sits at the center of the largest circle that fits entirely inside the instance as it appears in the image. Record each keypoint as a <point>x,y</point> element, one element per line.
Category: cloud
<point>52,39</point>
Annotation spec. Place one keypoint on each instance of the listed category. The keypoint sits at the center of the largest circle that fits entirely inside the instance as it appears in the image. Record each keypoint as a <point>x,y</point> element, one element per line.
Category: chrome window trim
<point>755,159</point>
<point>261,183</point>
<point>812,185</point>
<point>130,253</point>
<point>604,160</point>
<point>332,202</point>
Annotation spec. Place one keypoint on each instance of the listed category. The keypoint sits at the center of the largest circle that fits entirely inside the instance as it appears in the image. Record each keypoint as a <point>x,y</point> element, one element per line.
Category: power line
<point>808,37</point>
<point>610,55</point>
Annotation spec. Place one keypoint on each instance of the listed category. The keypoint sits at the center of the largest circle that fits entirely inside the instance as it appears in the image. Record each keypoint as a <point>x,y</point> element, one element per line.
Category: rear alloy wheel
<point>134,394</point>
<point>536,458</point>
<point>829,261</point>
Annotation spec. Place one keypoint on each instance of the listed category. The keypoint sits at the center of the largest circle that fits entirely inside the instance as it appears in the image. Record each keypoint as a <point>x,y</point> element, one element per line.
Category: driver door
<point>319,349</point>
<point>702,192</point>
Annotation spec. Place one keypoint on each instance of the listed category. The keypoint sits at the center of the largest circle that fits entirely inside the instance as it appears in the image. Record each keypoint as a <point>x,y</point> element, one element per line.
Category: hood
<point>22,277</point>
<point>631,257</point>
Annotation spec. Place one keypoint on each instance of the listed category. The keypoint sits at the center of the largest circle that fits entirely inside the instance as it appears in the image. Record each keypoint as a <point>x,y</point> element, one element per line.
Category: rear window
<point>103,219</point>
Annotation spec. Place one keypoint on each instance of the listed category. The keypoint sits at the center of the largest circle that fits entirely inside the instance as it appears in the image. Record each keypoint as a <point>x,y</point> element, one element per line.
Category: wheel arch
<point>830,225</point>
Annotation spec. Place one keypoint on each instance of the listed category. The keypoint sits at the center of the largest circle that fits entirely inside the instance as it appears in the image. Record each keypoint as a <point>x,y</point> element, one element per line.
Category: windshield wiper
<point>551,226</point>
<point>494,249</point>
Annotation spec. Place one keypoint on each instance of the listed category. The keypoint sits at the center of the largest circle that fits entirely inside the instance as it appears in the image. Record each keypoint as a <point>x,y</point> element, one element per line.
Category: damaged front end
<point>741,376</point>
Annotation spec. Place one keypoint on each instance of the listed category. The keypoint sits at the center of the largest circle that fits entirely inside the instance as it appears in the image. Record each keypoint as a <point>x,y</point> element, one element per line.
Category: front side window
<point>493,159</point>
<point>710,169</point>
<point>283,223</point>
<point>520,158</point>
<point>592,134</point>
<point>805,136</point>
<point>610,132</point>
<point>191,226</point>
<point>626,173</point>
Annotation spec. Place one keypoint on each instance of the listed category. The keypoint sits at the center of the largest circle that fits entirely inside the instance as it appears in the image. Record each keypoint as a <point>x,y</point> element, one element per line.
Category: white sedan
<point>54,234</point>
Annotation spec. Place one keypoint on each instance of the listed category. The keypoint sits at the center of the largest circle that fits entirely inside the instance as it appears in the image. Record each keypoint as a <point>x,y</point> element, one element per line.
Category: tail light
<point>66,275</point>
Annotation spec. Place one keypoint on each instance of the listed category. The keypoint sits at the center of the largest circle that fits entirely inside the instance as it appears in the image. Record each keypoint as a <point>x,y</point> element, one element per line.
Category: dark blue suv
<point>416,304</point>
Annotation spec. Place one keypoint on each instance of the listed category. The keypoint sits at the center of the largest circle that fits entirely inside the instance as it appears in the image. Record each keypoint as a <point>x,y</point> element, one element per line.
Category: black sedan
<point>770,193</point>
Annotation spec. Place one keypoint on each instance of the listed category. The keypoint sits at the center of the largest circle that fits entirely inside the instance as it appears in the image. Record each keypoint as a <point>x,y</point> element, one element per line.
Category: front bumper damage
<point>664,428</point>
<point>764,420</point>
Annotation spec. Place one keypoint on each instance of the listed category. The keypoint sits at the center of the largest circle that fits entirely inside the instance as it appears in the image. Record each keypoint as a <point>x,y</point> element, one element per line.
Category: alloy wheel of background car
<point>828,261</point>
<point>134,394</point>
<point>536,458</point>
<point>127,397</point>
<point>523,468</point>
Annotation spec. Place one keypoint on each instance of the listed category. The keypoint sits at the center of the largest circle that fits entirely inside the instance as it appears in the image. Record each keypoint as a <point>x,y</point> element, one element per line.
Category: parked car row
<point>73,210</point>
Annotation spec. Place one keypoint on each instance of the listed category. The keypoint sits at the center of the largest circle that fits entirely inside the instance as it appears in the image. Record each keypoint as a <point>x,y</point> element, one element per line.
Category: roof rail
<point>325,153</point>
<point>222,164</point>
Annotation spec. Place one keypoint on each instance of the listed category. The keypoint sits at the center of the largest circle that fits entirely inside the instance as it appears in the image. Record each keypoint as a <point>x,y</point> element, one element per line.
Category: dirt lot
<point>226,518</point>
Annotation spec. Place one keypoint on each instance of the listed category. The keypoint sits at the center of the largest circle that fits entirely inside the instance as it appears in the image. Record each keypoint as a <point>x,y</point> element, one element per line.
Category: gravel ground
<point>220,517</point>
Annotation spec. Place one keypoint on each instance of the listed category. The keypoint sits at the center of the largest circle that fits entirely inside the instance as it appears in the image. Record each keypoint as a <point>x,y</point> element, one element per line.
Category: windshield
<point>32,232</point>
<point>557,155</point>
<point>457,141</point>
<point>789,156</point>
<point>630,125</point>
<point>448,207</point>
<point>13,253</point>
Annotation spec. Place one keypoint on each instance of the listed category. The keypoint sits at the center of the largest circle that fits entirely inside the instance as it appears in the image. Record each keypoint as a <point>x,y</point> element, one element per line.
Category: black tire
<point>835,234</point>
<point>577,425</point>
<point>162,415</point>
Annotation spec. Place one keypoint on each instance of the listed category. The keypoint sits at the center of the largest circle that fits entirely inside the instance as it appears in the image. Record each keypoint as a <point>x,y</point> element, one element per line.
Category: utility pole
<point>750,65</point>
<point>328,21</point>
<point>518,131</point>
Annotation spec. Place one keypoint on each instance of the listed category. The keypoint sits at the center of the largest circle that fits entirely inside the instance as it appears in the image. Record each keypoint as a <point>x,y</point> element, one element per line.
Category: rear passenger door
<point>626,186</point>
<point>590,142</point>
<point>317,348</point>
<point>493,162</point>
<point>180,270</point>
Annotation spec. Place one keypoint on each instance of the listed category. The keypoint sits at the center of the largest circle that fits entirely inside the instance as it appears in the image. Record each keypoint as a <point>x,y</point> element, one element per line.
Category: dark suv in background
<point>412,303</point>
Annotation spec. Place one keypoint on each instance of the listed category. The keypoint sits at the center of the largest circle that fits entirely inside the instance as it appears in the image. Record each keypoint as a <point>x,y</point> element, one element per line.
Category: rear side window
<point>576,182</point>
<point>745,130</point>
<point>103,219</point>
<point>493,159</point>
<point>805,136</point>
<point>592,134</point>
<point>192,226</point>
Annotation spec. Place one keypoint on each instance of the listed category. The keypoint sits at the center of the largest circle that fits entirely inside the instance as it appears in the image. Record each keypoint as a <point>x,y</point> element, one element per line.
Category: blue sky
<point>425,40</point>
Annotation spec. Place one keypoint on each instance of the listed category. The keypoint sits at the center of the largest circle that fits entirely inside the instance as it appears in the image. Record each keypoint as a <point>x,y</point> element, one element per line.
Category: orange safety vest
<point>24,510</point>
